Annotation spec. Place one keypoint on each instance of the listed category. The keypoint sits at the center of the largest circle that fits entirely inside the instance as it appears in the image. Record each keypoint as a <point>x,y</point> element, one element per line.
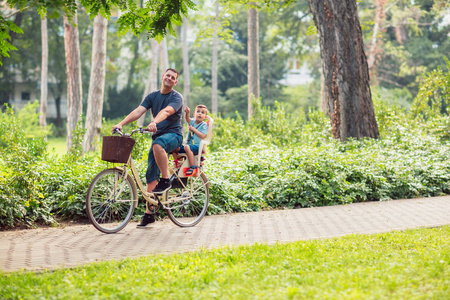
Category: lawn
<point>412,264</point>
<point>57,145</point>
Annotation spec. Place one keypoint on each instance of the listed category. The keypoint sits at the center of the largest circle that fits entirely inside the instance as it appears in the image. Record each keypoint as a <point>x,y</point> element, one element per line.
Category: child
<point>197,132</point>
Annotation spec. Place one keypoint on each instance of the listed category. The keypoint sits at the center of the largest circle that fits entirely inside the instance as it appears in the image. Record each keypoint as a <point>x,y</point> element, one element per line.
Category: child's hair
<point>202,106</point>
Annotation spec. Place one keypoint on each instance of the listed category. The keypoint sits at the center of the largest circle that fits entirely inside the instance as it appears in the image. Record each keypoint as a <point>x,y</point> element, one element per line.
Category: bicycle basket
<point>117,149</point>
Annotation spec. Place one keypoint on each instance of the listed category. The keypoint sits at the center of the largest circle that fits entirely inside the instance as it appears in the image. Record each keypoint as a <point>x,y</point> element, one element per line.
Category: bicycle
<point>113,193</point>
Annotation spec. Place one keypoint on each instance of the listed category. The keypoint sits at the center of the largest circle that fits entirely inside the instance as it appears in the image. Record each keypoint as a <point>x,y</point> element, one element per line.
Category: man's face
<point>170,79</point>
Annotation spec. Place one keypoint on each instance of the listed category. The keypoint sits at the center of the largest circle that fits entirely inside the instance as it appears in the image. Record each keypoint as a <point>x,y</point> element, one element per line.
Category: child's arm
<point>200,134</point>
<point>187,111</point>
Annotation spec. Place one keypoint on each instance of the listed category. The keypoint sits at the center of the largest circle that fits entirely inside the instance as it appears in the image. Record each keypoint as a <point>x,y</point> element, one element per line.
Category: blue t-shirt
<point>157,102</point>
<point>193,139</point>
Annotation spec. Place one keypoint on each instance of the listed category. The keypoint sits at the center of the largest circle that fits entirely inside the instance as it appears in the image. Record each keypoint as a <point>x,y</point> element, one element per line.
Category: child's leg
<point>189,154</point>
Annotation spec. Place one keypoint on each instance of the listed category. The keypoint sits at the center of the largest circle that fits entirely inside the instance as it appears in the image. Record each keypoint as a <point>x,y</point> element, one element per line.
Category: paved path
<point>50,248</point>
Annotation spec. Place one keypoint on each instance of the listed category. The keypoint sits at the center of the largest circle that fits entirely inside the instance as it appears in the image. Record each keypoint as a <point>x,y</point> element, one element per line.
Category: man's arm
<point>133,116</point>
<point>161,116</point>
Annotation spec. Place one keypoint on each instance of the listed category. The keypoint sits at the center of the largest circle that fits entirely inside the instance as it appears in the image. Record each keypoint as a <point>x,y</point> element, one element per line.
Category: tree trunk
<point>374,45</point>
<point>44,74</point>
<point>58,111</point>
<point>186,72</point>
<point>253,56</point>
<point>344,65</point>
<point>164,56</point>
<point>133,61</point>
<point>214,67</point>
<point>323,95</point>
<point>96,85</point>
<point>73,70</point>
<point>152,81</point>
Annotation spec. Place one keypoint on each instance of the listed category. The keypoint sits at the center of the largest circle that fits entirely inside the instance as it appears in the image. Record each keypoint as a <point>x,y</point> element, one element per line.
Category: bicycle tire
<point>188,212</point>
<point>106,211</point>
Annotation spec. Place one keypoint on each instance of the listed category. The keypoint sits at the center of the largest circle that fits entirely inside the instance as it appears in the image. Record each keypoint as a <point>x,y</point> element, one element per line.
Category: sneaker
<point>147,219</point>
<point>162,186</point>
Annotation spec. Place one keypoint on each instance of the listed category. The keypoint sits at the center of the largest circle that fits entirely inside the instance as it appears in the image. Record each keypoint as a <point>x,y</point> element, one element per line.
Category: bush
<point>21,200</point>
<point>273,160</point>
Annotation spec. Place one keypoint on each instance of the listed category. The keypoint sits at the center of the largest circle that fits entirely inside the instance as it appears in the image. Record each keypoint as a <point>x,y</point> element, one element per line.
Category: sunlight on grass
<point>412,264</point>
<point>57,146</point>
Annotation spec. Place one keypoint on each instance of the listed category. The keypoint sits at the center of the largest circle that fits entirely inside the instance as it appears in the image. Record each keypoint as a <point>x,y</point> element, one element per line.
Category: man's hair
<point>173,70</point>
<point>202,106</point>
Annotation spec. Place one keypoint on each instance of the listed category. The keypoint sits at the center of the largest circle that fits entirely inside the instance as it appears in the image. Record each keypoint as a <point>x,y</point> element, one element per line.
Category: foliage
<point>21,201</point>
<point>433,98</point>
<point>274,160</point>
<point>308,175</point>
<point>5,46</point>
<point>155,17</point>
<point>410,264</point>
<point>412,40</point>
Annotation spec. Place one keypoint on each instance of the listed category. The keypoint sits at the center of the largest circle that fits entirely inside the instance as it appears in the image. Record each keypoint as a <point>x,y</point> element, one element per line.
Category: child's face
<point>200,114</point>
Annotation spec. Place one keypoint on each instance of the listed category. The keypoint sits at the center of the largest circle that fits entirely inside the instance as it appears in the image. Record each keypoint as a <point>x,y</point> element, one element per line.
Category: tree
<point>73,67</point>
<point>214,67</point>
<point>155,17</point>
<point>345,69</point>
<point>44,74</point>
<point>164,55</point>
<point>253,56</point>
<point>96,84</point>
<point>380,16</point>
<point>152,80</point>
<point>186,72</point>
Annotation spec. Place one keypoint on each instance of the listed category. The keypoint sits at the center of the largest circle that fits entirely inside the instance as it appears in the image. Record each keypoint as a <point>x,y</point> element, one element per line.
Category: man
<point>166,106</point>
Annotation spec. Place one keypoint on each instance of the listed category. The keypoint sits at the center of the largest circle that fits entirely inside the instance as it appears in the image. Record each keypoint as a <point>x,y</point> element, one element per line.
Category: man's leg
<point>161,160</point>
<point>161,146</point>
<point>149,216</point>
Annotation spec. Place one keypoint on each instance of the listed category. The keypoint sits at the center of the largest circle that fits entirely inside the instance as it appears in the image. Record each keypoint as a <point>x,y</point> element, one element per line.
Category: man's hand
<point>116,127</point>
<point>152,127</point>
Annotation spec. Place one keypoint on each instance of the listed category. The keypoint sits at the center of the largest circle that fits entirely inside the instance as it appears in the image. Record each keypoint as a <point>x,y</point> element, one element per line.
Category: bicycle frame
<point>149,197</point>
<point>113,196</point>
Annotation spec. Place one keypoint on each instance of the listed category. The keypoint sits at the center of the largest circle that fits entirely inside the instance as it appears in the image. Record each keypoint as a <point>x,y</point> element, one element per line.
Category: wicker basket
<point>117,149</point>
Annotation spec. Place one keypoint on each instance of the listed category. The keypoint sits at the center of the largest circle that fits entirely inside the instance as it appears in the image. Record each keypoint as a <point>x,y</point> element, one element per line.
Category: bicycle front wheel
<point>110,200</point>
<point>190,199</point>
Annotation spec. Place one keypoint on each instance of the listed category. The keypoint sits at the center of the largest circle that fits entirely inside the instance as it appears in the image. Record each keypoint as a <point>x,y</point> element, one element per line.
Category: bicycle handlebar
<point>140,130</point>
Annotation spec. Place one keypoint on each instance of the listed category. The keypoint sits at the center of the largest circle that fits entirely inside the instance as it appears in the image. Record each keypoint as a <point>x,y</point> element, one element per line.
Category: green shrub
<point>274,160</point>
<point>433,98</point>
<point>21,200</point>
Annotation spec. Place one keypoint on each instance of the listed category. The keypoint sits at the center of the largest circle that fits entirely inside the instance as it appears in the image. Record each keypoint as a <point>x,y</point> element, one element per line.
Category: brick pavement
<point>49,248</point>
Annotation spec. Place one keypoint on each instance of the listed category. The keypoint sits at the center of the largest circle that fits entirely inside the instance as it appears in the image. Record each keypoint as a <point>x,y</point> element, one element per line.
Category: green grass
<point>57,146</point>
<point>412,264</point>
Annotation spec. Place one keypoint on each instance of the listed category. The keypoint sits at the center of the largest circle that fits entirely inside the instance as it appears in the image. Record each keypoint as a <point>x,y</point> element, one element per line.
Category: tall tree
<point>164,55</point>
<point>44,74</point>
<point>253,55</point>
<point>214,66</point>
<point>345,69</point>
<point>73,70</point>
<point>186,72</point>
<point>96,84</point>
<point>380,16</point>
<point>152,80</point>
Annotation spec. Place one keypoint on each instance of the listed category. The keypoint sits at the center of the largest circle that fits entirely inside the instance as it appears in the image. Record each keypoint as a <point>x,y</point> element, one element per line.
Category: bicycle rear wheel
<point>190,198</point>
<point>110,200</point>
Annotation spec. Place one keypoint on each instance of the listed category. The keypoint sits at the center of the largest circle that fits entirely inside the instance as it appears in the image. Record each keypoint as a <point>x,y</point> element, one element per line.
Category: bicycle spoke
<point>187,206</point>
<point>110,201</point>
